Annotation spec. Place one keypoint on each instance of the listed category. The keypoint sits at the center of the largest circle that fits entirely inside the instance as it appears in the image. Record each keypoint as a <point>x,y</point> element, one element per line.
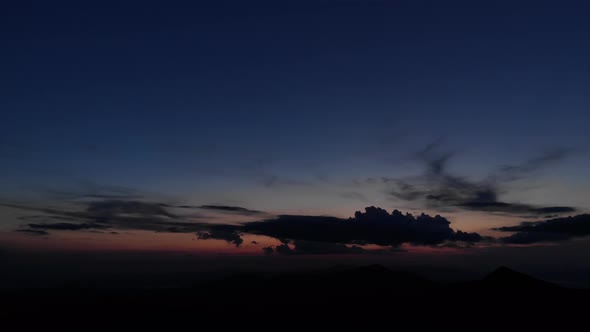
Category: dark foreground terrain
<point>362,297</point>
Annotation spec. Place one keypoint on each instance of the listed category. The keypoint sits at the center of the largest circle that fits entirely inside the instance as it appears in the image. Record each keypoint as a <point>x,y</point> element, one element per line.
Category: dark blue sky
<point>295,105</point>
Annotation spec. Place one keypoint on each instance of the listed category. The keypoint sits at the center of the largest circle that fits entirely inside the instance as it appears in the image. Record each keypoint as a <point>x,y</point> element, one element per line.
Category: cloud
<point>556,209</point>
<point>122,207</point>
<point>107,214</point>
<point>32,231</point>
<point>301,247</point>
<point>374,226</point>
<point>468,237</point>
<point>231,209</point>
<point>515,208</point>
<point>323,248</point>
<point>533,237</point>
<point>229,236</point>
<point>308,234</point>
<point>284,249</point>
<point>403,190</point>
<point>47,218</point>
<point>93,191</point>
<point>515,172</point>
<point>439,189</point>
<point>68,226</point>
<point>125,214</point>
<point>552,230</point>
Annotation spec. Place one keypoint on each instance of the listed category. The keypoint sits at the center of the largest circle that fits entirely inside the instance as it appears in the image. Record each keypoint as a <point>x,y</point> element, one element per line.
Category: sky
<point>261,127</point>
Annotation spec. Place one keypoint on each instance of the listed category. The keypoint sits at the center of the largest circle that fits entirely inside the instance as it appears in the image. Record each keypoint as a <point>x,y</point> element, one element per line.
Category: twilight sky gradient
<point>168,127</point>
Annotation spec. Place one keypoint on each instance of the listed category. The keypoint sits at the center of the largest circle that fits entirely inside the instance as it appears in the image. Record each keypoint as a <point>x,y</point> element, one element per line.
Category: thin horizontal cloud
<point>301,247</point>
<point>68,226</point>
<point>121,207</point>
<point>109,214</point>
<point>32,231</point>
<point>128,215</point>
<point>91,191</point>
<point>230,209</point>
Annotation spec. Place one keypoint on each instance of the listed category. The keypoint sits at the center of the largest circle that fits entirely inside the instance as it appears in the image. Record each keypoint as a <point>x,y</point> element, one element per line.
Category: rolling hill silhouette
<point>370,294</point>
<point>504,277</point>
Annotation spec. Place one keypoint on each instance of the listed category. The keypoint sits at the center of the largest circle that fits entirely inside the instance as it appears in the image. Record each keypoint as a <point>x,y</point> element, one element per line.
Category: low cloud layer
<point>300,247</point>
<point>231,209</point>
<point>299,235</point>
<point>553,230</point>
<point>229,236</point>
<point>125,214</point>
<point>108,214</point>
<point>109,208</point>
<point>68,226</point>
<point>306,234</point>
<point>322,234</point>
<point>32,231</point>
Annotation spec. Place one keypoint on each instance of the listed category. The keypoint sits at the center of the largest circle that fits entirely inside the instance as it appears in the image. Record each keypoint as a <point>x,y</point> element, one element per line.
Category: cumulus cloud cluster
<point>229,236</point>
<point>374,226</point>
<point>300,247</point>
<point>300,235</point>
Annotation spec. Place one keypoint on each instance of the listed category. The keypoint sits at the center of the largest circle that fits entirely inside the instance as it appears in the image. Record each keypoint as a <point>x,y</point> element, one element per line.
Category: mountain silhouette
<point>364,294</point>
<point>504,277</point>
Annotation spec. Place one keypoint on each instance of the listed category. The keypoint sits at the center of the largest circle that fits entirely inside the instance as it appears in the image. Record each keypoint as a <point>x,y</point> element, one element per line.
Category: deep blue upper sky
<point>288,105</point>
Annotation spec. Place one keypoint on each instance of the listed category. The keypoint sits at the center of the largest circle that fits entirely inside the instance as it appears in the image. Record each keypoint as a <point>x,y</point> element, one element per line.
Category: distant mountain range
<point>367,293</point>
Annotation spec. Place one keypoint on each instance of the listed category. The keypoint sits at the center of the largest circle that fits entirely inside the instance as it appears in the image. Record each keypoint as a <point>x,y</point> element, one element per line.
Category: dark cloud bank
<point>233,209</point>
<point>321,234</point>
<point>309,234</point>
<point>553,230</point>
<point>298,234</point>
